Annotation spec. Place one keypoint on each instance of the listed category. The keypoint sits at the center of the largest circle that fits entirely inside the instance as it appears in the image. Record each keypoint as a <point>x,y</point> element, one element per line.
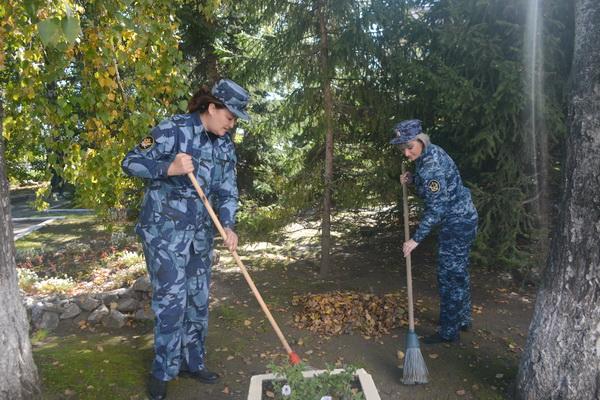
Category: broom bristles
<point>414,371</point>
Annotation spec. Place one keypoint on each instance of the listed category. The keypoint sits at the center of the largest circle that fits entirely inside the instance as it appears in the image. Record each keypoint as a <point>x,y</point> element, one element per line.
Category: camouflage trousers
<point>455,242</point>
<point>180,295</point>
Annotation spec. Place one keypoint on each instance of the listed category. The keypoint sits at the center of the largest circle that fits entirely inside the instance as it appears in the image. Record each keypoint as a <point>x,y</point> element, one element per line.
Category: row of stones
<point>111,309</point>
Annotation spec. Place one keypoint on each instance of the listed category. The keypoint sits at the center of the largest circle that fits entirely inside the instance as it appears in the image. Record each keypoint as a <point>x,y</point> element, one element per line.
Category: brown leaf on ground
<point>336,313</point>
<point>461,392</point>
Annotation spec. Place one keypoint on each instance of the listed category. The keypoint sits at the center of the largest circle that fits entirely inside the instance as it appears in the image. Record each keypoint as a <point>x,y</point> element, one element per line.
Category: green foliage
<point>80,96</point>
<point>82,85</point>
<point>337,385</point>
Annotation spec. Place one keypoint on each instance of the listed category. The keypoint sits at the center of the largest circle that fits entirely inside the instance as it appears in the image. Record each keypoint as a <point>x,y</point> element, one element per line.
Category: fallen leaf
<point>433,356</point>
<point>400,355</point>
<point>270,394</point>
<point>461,392</point>
<point>225,390</point>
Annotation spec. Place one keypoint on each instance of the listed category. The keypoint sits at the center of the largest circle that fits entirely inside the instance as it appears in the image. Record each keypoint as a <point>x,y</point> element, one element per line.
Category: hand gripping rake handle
<point>294,358</point>
<point>411,316</point>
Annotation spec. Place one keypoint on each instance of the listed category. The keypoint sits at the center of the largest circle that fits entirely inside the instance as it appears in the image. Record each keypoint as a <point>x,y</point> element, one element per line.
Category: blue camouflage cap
<point>406,131</point>
<point>233,96</point>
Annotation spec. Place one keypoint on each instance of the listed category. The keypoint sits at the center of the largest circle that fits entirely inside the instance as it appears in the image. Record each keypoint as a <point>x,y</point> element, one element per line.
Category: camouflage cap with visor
<point>406,131</point>
<point>233,96</point>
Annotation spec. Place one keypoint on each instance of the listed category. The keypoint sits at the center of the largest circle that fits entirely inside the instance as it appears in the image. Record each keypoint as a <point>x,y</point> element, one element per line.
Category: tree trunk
<point>562,355</point>
<point>18,374</point>
<point>328,116</point>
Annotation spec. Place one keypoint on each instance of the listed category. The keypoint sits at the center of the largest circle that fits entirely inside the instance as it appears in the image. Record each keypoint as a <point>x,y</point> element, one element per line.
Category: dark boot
<point>204,375</point>
<point>436,338</point>
<point>157,389</point>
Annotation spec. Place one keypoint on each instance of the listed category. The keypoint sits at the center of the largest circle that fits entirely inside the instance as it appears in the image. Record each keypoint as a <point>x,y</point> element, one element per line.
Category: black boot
<point>204,375</point>
<point>157,389</point>
<point>436,338</point>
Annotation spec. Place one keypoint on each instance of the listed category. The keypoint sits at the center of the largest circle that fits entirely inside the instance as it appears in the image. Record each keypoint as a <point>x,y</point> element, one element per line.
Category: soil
<point>241,343</point>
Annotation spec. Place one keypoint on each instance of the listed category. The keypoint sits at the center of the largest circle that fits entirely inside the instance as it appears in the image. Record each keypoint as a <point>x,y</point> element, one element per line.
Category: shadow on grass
<point>94,366</point>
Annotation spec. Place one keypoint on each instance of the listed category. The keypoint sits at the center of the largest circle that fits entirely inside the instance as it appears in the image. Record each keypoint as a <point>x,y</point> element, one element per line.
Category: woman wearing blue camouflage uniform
<point>175,228</point>
<point>447,204</point>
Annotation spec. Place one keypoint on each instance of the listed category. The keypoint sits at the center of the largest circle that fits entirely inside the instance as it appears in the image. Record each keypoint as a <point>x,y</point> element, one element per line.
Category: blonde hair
<point>424,138</point>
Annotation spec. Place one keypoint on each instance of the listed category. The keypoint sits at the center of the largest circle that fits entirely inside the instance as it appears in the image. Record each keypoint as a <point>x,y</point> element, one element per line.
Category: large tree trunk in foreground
<point>562,356</point>
<point>18,374</point>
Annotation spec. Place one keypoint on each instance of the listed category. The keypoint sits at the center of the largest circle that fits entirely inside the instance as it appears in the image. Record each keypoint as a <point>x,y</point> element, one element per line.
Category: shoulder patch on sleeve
<point>434,186</point>
<point>147,143</point>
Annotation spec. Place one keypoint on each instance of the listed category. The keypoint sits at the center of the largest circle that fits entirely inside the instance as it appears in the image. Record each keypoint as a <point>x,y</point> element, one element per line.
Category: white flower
<point>286,390</point>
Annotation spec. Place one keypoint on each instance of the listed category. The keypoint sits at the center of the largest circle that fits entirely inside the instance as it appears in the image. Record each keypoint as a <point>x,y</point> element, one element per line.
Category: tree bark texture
<point>18,373</point>
<point>328,120</point>
<point>562,355</point>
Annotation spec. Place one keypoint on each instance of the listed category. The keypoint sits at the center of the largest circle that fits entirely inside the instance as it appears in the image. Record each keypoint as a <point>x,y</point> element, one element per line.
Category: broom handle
<point>411,317</point>
<point>235,255</point>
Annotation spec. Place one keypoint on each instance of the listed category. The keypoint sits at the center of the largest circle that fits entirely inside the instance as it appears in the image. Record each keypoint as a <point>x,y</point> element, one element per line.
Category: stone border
<point>366,383</point>
<point>111,309</point>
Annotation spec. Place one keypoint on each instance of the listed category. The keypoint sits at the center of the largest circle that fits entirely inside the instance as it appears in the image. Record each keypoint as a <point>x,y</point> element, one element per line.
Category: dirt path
<point>482,366</point>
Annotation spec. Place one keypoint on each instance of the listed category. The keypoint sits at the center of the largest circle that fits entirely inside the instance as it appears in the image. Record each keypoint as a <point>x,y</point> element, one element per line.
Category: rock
<point>49,321</point>
<point>128,305</point>
<point>98,314</point>
<point>88,303</point>
<point>29,302</point>
<point>113,296</point>
<point>52,306</point>
<point>142,284</point>
<point>37,310</point>
<point>70,311</point>
<point>144,314</point>
<point>115,320</point>
<point>83,316</point>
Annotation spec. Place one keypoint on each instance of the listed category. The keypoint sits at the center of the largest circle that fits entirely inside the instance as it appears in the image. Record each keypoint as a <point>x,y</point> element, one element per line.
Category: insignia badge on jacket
<point>147,143</point>
<point>434,186</point>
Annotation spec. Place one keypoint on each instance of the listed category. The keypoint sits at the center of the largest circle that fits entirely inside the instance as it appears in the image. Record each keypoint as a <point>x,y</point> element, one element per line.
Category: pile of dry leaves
<point>336,313</point>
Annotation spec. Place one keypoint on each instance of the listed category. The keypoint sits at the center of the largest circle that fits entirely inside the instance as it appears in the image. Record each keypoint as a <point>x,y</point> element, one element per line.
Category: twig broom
<point>415,370</point>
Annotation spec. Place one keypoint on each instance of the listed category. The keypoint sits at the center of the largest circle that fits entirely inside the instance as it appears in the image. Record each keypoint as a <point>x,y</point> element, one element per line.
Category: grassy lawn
<point>94,366</point>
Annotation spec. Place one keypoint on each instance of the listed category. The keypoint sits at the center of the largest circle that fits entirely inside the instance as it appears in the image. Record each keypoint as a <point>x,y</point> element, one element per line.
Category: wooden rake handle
<point>409,289</point>
<point>294,358</point>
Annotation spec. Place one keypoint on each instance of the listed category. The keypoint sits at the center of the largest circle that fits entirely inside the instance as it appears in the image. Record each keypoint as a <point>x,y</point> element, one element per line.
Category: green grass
<point>229,314</point>
<point>91,367</point>
<point>77,228</point>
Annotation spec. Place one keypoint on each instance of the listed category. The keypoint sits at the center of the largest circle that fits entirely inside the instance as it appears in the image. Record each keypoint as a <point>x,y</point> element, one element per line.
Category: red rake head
<point>294,358</point>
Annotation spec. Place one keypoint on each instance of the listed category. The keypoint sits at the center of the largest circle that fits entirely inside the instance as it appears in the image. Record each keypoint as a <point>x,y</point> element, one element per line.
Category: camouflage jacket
<point>439,184</point>
<point>171,202</point>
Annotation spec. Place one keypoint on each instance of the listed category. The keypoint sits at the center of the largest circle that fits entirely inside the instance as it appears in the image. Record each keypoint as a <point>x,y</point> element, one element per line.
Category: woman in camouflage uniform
<point>447,204</point>
<point>175,228</point>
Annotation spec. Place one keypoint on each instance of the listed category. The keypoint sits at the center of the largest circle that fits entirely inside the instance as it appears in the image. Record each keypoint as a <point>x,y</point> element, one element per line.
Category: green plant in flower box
<point>291,384</point>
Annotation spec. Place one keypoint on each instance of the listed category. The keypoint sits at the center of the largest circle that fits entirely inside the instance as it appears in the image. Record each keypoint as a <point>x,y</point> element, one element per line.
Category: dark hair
<point>201,99</point>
